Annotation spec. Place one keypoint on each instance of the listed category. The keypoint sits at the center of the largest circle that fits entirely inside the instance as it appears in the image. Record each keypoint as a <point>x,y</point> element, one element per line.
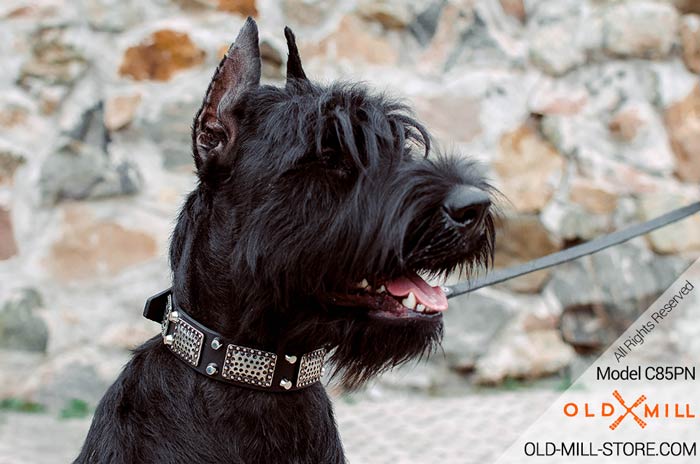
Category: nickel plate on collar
<point>249,365</point>
<point>310,367</point>
<point>187,342</point>
<point>166,319</point>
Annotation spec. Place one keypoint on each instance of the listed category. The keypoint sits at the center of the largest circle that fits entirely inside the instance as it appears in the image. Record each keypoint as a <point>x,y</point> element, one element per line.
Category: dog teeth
<point>382,289</point>
<point>363,284</point>
<point>420,308</point>
<point>409,301</point>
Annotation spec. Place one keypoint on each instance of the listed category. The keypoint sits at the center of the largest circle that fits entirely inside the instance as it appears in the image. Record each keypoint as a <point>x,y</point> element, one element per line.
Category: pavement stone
<point>401,430</point>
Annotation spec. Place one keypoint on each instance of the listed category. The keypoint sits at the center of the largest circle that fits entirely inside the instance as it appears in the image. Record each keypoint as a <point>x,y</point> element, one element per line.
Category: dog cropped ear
<point>215,128</point>
<point>294,69</point>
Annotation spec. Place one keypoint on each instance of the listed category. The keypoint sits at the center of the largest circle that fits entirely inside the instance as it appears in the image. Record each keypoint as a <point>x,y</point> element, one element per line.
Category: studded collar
<point>216,357</point>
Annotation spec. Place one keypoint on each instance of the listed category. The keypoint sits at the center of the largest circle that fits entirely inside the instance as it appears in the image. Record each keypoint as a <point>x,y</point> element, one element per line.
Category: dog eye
<point>331,159</point>
<point>328,155</point>
<point>328,159</point>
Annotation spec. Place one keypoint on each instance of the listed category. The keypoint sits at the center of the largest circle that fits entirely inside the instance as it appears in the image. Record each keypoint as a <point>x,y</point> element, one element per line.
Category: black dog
<point>316,209</point>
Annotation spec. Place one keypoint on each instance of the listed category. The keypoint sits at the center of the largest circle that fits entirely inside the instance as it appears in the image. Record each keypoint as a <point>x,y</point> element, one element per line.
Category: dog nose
<point>466,206</point>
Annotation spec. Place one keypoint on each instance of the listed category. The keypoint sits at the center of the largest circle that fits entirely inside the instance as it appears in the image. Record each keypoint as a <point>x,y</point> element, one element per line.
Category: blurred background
<point>586,112</point>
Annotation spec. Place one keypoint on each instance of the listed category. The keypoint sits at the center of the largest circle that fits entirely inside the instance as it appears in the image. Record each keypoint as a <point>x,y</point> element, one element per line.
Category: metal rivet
<point>216,344</point>
<point>174,316</point>
<point>168,339</point>
<point>212,368</point>
<point>290,359</point>
<point>286,384</point>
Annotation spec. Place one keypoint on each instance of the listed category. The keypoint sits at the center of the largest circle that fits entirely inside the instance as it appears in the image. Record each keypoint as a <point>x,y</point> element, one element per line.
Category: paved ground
<point>409,430</point>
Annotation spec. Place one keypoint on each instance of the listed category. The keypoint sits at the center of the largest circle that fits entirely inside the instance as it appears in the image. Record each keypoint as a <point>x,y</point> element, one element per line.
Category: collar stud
<point>212,368</point>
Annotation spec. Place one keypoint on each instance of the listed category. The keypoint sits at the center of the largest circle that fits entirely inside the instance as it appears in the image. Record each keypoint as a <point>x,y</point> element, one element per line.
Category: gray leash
<point>574,252</point>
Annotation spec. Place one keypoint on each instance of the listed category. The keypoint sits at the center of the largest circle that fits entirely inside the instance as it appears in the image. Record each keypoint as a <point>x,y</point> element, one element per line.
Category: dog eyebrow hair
<point>363,124</point>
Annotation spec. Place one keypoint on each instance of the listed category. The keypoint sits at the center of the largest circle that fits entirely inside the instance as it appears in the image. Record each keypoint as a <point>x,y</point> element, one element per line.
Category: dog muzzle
<point>212,355</point>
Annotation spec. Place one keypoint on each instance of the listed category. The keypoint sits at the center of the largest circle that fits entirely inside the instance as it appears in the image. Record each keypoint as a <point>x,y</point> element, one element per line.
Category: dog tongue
<point>432,297</point>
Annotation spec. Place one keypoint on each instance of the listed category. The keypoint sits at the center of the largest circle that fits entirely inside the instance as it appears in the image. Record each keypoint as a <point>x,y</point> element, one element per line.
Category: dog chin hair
<point>371,347</point>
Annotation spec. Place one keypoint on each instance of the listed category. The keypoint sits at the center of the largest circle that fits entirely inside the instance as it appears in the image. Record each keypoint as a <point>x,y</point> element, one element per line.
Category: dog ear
<point>294,69</point>
<point>215,128</point>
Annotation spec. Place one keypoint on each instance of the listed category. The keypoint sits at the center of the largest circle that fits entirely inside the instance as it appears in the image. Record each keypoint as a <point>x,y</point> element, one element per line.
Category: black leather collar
<point>219,358</point>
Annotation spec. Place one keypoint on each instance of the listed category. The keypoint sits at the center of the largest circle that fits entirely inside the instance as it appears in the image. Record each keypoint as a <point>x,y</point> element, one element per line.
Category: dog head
<point>318,215</point>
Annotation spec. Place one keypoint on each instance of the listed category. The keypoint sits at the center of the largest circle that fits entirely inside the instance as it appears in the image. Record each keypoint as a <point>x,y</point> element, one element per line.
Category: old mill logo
<point>640,411</point>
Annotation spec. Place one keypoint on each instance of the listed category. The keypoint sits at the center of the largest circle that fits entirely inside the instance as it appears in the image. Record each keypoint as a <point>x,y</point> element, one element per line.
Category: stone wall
<point>586,113</point>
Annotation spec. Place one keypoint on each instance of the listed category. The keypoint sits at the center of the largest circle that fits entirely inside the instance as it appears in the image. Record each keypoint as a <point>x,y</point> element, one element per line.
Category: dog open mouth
<point>408,296</point>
